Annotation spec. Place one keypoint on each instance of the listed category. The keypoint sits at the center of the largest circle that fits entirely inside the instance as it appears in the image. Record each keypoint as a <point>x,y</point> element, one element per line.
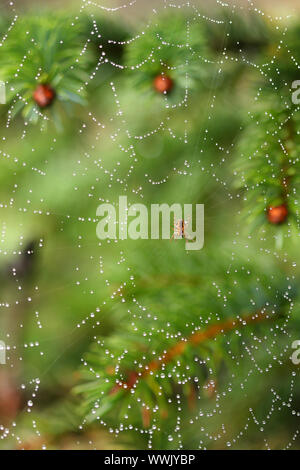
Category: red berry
<point>277,215</point>
<point>163,83</point>
<point>44,95</point>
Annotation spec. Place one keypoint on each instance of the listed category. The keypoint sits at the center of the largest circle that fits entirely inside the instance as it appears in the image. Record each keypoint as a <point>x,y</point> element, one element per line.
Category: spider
<point>179,229</point>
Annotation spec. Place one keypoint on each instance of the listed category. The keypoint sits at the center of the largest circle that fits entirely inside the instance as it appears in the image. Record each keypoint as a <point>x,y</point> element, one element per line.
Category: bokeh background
<point>61,288</point>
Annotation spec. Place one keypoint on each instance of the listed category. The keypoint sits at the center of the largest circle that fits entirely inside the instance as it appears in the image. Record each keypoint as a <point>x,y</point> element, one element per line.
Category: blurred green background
<point>71,288</point>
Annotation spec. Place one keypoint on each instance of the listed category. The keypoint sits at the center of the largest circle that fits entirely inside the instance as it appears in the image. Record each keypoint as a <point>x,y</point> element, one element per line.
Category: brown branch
<point>195,339</point>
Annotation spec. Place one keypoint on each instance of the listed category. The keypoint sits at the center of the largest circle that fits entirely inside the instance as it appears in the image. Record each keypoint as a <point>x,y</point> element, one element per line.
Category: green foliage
<point>267,164</point>
<point>282,63</point>
<point>47,49</point>
<point>119,322</point>
<point>174,45</point>
<point>143,337</point>
<point>247,33</point>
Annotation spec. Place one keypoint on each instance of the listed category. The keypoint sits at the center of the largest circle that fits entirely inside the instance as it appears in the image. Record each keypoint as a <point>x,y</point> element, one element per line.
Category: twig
<point>195,339</point>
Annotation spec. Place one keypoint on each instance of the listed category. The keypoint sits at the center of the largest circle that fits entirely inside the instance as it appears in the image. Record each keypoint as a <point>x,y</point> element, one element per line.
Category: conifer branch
<point>195,339</point>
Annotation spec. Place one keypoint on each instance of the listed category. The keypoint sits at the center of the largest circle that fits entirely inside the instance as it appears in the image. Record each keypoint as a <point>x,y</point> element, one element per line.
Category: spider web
<point>110,151</point>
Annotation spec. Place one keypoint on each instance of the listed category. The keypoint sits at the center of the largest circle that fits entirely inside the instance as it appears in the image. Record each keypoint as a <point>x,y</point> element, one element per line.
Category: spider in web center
<point>180,230</point>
